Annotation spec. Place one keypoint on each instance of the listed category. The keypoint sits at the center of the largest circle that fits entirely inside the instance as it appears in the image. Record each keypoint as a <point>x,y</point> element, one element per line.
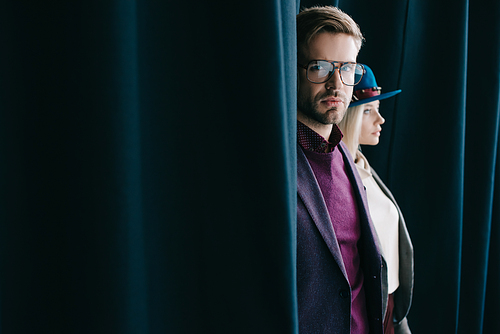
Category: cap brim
<point>375,98</point>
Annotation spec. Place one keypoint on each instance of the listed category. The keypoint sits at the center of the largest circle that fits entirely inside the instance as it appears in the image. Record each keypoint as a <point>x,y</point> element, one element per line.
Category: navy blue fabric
<point>438,149</point>
<point>148,167</point>
<point>148,162</point>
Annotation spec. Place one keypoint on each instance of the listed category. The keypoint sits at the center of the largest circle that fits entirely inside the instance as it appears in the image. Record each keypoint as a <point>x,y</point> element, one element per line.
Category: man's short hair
<point>318,19</point>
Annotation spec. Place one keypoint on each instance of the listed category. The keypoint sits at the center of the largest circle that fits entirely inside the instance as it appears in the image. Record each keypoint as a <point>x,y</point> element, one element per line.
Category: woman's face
<point>371,124</point>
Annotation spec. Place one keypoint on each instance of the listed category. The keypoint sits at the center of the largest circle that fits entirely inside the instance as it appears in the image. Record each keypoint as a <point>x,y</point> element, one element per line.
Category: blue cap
<point>367,89</point>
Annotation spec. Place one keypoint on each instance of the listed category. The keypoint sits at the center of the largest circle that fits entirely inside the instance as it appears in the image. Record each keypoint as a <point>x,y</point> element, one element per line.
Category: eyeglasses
<point>320,71</point>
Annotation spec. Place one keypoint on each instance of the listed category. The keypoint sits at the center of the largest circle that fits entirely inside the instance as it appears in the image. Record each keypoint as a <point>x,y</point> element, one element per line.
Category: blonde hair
<point>318,19</point>
<point>351,128</point>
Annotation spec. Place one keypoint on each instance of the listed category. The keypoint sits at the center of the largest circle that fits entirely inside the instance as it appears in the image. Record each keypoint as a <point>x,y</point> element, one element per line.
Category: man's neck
<point>324,130</point>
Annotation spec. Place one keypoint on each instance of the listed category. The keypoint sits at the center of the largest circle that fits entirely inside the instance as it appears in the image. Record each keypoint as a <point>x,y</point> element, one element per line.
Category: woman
<point>362,125</point>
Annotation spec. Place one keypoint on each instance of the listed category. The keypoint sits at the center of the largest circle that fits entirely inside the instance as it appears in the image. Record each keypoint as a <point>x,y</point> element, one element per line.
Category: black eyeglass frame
<point>334,63</point>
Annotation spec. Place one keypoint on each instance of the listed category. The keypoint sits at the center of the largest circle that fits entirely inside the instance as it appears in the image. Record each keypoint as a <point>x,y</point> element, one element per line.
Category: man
<point>339,266</point>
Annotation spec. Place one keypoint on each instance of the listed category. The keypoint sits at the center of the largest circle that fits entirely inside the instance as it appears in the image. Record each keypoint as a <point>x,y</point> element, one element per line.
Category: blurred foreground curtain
<point>147,167</point>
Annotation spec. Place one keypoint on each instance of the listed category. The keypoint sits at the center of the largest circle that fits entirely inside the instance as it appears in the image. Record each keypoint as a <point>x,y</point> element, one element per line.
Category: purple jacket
<point>324,294</point>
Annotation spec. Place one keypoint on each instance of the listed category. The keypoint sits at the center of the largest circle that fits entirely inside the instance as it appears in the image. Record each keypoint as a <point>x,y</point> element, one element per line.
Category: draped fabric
<point>438,150</point>
<point>148,168</point>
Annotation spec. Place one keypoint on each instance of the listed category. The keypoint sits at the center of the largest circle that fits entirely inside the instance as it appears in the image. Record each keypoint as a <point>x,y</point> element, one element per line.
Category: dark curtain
<point>438,150</point>
<point>148,169</point>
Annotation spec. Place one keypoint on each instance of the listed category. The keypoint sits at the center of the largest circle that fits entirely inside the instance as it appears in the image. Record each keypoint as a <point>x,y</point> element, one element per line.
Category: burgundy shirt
<point>328,166</point>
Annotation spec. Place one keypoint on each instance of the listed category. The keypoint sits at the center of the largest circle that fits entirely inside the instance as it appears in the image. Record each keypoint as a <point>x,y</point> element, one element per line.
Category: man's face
<point>326,103</point>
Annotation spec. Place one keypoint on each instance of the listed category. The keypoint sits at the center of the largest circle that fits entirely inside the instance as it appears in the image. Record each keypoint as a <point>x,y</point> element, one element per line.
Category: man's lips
<point>332,101</point>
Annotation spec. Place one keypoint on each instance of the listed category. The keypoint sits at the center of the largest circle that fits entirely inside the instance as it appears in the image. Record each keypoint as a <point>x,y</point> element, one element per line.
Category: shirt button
<point>344,293</point>
<point>323,144</point>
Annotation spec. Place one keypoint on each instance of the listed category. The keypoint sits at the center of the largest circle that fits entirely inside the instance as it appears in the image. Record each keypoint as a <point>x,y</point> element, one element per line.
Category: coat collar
<point>310,193</point>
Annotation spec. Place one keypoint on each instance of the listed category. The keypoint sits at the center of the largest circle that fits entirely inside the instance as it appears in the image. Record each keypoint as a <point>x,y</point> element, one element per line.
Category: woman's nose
<point>381,120</point>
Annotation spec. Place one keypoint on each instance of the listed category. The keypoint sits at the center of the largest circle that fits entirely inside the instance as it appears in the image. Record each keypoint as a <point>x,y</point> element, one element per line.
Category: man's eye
<point>318,71</point>
<point>316,68</point>
<point>347,68</point>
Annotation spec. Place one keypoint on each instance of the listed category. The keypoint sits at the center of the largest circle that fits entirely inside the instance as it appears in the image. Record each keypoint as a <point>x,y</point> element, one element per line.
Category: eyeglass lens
<point>319,71</point>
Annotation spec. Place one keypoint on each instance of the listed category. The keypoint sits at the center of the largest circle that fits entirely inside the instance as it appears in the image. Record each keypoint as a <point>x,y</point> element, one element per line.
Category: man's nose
<point>334,82</point>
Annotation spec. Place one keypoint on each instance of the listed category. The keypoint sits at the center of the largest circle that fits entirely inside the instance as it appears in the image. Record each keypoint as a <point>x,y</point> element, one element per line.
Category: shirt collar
<point>312,141</point>
<point>362,165</point>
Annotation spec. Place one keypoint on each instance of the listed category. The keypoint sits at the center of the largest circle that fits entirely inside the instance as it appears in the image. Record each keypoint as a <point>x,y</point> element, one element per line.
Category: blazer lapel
<point>310,193</point>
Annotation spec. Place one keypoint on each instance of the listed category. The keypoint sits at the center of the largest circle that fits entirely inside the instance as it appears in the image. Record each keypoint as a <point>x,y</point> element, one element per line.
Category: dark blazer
<point>404,293</point>
<point>324,294</point>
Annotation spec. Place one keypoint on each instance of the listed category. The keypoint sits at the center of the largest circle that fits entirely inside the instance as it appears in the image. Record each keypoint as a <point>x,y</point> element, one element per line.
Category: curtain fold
<point>438,149</point>
<point>148,175</point>
<point>217,166</point>
<point>492,295</point>
<point>148,183</point>
<point>479,242</point>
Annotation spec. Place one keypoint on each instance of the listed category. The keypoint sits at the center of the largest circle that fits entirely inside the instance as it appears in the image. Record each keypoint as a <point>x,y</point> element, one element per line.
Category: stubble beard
<point>310,108</point>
